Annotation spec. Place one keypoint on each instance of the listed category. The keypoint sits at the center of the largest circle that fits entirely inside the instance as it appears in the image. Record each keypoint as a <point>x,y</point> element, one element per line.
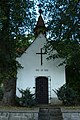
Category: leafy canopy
<point>16,17</point>
<point>63,18</point>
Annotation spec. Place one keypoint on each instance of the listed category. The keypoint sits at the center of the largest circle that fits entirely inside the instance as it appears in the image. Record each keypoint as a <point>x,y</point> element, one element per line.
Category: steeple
<point>40,27</point>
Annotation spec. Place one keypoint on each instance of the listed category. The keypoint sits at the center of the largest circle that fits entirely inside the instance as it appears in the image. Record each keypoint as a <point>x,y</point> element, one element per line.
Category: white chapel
<point>38,73</point>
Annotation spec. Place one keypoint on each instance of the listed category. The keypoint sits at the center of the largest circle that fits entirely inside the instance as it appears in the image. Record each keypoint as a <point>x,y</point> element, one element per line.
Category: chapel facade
<point>38,73</point>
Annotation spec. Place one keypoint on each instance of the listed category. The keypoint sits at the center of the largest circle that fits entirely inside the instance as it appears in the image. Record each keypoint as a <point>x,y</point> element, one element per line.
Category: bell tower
<point>40,27</point>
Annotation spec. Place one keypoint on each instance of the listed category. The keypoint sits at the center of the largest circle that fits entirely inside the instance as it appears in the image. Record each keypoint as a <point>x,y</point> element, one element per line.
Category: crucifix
<point>41,53</point>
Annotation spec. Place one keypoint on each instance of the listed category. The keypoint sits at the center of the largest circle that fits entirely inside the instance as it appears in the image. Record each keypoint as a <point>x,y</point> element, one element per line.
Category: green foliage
<point>68,49</point>
<point>63,18</point>
<point>16,17</point>
<point>67,95</point>
<point>1,92</point>
<point>63,27</point>
<point>73,78</point>
<point>23,43</point>
<point>27,98</point>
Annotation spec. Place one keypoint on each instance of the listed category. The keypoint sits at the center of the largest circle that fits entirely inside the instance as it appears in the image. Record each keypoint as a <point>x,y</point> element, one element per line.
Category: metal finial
<point>40,11</point>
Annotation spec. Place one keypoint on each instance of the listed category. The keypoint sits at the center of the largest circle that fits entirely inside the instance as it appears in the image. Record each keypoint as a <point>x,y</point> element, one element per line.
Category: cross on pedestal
<point>41,53</point>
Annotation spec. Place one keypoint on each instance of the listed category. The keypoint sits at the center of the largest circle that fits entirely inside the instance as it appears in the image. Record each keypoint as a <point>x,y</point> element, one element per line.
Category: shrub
<point>27,98</point>
<point>67,95</point>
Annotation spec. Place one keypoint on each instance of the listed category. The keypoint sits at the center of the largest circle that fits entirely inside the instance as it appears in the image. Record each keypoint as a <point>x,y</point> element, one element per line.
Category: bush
<point>26,99</point>
<point>67,95</point>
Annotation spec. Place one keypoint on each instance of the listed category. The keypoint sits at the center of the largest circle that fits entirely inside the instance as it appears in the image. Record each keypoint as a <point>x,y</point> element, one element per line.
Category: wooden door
<point>42,90</point>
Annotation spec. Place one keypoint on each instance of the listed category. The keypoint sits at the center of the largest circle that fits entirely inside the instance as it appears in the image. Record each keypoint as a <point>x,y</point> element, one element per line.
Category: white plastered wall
<point>31,63</point>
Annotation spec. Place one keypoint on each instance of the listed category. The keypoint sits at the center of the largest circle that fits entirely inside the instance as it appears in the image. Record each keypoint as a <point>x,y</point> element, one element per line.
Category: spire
<point>40,27</point>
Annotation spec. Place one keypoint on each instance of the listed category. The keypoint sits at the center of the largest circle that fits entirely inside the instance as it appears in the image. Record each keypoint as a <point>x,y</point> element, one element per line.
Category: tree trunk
<point>9,92</point>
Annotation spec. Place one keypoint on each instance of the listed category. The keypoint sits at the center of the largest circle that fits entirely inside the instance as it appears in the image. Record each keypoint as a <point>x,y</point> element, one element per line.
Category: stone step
<point>50,114</point>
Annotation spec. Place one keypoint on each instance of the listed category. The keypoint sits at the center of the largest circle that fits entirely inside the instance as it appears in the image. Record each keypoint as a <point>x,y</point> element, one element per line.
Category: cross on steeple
<point>41,53</point>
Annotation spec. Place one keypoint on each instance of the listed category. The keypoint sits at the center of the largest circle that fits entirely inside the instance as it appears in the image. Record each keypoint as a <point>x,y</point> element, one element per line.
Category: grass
<point>35,108</point>
<point>71,107</point>
<point>17,108</point>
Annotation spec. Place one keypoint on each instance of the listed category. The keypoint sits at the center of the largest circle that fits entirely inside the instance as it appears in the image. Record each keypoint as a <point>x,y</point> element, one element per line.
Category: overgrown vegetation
<point>1,92</point>
<point>63,18</point>
<point>67,95</point>
<point>26,99</point>
<point>16,17</point>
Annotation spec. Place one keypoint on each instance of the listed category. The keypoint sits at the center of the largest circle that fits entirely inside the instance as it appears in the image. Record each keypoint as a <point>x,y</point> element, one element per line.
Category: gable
<point>32,54</point>
<point>32,68</point>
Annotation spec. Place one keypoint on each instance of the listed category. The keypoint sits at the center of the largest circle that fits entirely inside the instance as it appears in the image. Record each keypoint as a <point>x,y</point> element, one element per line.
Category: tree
<point>15,18</point>
<point>64,36</point>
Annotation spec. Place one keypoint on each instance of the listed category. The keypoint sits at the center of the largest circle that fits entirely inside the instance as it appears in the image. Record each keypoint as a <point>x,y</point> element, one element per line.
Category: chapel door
<point>42,90</point>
